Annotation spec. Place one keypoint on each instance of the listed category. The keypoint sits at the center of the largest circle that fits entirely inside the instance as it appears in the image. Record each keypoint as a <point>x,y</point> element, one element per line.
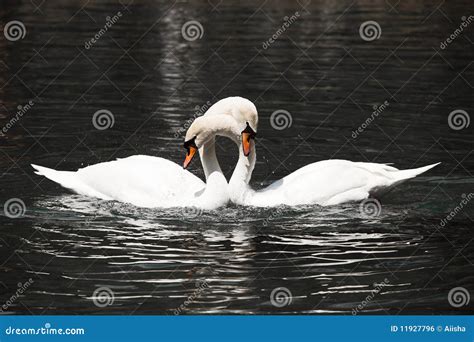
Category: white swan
<point>148,181</point>
<point>327,182</point>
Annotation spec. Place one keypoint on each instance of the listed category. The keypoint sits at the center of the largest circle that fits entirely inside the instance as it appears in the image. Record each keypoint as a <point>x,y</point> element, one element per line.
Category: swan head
<point>248,134</point>
<point>244,112</point>
<point>204,129</point>
<point>241,109</point>
<point>191,148</point>
<point>233,117</point>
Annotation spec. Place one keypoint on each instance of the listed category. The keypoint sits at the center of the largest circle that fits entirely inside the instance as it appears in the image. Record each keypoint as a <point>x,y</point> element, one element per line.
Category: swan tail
<point>62,177</point>
<point>69,180</point>
<point>403,175</point>
<point>65,178</point>
<point>399,176</point>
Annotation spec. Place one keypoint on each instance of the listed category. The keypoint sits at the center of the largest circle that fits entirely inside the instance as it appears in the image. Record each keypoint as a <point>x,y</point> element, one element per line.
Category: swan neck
<point>239,182</point>
<point>215,193</point>
<point>209,161</point>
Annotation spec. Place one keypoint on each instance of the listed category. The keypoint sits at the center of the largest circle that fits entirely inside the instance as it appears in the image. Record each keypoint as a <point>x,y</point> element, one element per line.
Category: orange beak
<point>246,143</point>
<point>189,156</point>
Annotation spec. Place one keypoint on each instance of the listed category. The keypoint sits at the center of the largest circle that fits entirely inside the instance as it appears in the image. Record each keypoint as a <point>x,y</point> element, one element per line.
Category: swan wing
<point>334,181</point>
<point>144,181</point>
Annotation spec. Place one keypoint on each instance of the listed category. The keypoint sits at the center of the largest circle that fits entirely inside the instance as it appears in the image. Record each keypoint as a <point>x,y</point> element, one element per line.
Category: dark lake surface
<point>405,260</point>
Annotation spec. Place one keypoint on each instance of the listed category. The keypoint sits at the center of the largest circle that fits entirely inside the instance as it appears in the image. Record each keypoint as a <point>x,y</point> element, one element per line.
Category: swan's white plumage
<point>148,181</point>
<point>156,182</point>
<point>330,182</point>
<point>144,181</point>
<point>327,182</point>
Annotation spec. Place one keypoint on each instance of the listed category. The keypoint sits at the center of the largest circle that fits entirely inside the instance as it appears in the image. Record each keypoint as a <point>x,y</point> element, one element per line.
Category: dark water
<point>405,260</point>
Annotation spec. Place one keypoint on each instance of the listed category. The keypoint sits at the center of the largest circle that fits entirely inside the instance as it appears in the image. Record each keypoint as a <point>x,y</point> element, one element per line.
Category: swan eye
<point>249,131</point>
<point>190,143</point>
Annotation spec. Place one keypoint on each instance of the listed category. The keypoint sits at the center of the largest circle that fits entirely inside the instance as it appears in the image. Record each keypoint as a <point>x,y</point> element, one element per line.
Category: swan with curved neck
<point>147,181</point>
<point>326,182</point>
